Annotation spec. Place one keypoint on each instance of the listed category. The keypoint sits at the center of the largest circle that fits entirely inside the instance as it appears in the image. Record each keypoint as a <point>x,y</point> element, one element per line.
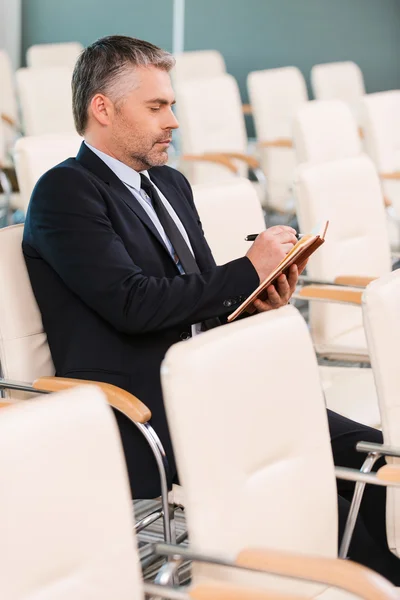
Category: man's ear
<point>102,109</point>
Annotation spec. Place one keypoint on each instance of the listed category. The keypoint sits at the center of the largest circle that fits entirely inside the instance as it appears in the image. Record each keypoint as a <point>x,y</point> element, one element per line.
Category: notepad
<point>298,255</point>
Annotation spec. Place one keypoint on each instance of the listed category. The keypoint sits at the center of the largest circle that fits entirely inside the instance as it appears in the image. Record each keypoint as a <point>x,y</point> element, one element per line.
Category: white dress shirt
<point>131,179</point>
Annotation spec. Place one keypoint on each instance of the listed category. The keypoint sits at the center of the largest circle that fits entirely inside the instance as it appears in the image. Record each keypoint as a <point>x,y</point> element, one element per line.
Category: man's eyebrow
<point>162,101</point>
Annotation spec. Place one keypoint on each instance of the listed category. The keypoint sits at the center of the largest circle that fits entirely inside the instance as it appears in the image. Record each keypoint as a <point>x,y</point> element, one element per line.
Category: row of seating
<point>237,489</point>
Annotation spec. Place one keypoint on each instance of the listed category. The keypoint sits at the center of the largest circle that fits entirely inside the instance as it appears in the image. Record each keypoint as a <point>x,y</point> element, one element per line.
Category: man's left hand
<point>280,295</point>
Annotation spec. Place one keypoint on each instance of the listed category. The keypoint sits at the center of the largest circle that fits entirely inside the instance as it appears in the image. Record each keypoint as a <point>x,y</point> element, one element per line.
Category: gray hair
<point>102,64</point>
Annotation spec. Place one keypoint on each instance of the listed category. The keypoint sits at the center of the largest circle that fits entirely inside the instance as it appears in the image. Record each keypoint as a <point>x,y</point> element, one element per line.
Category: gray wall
<point>251,34</point>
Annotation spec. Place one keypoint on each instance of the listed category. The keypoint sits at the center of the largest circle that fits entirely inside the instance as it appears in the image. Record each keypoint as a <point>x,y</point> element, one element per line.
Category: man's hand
<point>270,247</point>
<point>280,295</point>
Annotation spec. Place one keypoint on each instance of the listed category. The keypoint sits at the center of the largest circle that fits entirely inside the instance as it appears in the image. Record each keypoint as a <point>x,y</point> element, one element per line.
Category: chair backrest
<point>380,120</point>
<point>275,96</point>
<point>197,64</point>
<point>348,193</point>
<point>228,212</point>
<point>53,55</point>
<point>24,352</point>
<point>338,81</point>
<point>65,508</point>
<point>381,301</point>
<point>241,435</point>
<point>324,131</point>
<point>8,104</point>
<point>35,155</point>
<point>211,120</point>
<point>46,100</point>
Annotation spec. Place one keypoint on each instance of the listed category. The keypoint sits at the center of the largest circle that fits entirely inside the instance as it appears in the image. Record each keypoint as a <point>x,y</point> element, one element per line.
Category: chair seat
<point>351,392</point>
<point>350,346</point>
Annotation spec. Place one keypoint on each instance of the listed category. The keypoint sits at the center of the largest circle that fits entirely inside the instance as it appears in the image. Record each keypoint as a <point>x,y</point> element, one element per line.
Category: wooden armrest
<point>389,473</point>
<point>6,404</point>
<point>361,132</point>
<point>219,591</point>
<point>329,293</point>
<point>220,159</point>
<point>394,175</point>
<point>278,143</point>
<point>9,120</point>
<point>353,280</point>
<point>343,574</point>
<point>251,161</point>
<point>387,202</point>
<point>120,399</point>
<point>247,109</point>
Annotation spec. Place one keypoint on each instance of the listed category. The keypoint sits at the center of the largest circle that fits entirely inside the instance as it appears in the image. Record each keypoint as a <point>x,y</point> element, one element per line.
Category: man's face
<point>142,121</point>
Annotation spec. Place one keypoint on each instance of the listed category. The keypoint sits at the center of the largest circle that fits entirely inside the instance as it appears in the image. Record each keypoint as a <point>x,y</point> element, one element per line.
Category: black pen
<point>252,236</point>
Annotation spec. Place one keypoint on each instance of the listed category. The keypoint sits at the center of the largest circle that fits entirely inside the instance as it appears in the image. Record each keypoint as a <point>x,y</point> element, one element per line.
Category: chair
<point>35,155</point>
<point>65,508</point>
<point>339,81</point>
<point>46,100</point>
<point>276,95</point>
<point>381,125</point>
<point>253,475</point>
<point>198,64</point>
<point>53,55</point>
<point>357,249</point>
<point>380,304</point>
<point>25,358</point>
<point>212,126</point>
<point>325,130</point>
<point>8,109</point>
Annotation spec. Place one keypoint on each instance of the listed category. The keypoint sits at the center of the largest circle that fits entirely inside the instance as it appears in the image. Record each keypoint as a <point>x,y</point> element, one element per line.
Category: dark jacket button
<point>227,303</point>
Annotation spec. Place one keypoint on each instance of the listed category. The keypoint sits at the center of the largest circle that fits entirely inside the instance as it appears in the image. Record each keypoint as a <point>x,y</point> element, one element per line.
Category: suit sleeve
<point>71,230</point>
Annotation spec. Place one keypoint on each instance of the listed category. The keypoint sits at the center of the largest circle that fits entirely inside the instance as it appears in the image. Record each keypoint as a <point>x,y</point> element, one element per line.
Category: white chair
<point>253,475</point>
<point>348,193</point>
<point>212,125</point>
<point>35,155</point>
<point>275,96</point>
<point>325,130</point>
<point>339,81</point>
<point>73,538</point>
<point>53,55</point>
<point>381,300</point>
<point>46,100</point>
<point>26,361</point>
<point>380,119</point>
<point>8,109</point>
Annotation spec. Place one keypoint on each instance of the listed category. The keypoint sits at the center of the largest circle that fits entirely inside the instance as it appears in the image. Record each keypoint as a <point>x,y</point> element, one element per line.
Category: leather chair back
<point>46,100</point>
<point>348,193</point>
<point>338,81</point>
<point>324,131</point>
<point>253,475</point>
<point>8,107</point>
<point>24,351</point>
<point>66,514</point>
<point>381,301</point>
<point>53,55</point>
<point>228,213</point>
<point>275,96</point>
<point>35,155</point>
<point>197,64</point>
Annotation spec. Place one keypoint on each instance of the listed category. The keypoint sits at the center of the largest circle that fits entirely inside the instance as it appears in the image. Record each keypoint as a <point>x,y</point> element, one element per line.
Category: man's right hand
<point>270,247</point>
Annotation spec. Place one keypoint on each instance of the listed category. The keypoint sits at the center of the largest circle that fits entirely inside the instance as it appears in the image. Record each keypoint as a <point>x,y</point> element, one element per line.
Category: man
<point>115,250</point>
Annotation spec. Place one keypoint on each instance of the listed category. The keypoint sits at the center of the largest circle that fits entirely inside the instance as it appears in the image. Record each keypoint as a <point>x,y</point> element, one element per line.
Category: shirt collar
<point>128,175</point>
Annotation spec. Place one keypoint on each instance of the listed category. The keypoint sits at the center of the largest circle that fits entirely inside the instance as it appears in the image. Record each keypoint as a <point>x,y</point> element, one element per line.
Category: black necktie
<point>177,240</point>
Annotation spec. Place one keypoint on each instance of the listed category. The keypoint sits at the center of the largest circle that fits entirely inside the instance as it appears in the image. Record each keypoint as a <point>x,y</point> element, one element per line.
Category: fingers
<point>280,295</point>
<point>285,236</point>
<point>293,278</point>
<point>276,229</point>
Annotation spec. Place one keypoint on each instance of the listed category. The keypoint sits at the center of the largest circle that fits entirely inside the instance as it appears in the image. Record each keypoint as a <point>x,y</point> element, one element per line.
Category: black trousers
<point>369,544</point>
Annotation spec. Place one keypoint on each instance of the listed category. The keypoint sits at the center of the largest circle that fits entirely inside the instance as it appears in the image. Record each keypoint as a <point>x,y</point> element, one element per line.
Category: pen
<point>252,236</point>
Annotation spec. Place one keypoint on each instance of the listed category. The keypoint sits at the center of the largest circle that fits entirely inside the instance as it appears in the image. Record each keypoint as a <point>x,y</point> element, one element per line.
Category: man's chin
<point>159,159</point>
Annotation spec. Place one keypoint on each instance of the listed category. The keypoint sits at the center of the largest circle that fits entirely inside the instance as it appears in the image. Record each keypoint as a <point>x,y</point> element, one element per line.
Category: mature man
<point>115,251</point>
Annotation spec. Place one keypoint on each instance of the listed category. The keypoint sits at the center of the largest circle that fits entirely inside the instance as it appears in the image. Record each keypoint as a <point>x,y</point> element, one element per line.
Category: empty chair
<point>348,193</point>
<point>380,118</point>
<point>275,96</point>
<point>324,131</point>
<point>8,109</point>
<point>198,64</point>
<point>253,484</point>
<point>339,81</point>
<point>228,213</point>
<point>212,124</point>
<point>46,100</point>
<point>53,55</point>
<point>37,154</point>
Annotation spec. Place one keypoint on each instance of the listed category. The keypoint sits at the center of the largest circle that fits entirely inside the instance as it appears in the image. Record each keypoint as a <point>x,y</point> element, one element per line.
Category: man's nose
<point>172,122</point>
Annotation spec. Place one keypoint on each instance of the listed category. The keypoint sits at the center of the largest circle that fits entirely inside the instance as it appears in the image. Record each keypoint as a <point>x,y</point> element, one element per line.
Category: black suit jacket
<point>111,297</point>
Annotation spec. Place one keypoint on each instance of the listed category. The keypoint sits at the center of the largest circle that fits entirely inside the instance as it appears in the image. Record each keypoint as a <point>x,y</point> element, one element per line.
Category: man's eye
<point>154,108</point>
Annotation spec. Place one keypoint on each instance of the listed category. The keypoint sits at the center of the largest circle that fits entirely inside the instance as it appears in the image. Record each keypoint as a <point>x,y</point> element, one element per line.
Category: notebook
<point>298,255</point>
